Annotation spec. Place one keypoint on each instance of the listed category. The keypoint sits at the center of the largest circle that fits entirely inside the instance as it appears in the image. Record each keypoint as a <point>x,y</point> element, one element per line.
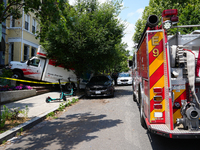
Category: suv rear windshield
<point>99,79</point>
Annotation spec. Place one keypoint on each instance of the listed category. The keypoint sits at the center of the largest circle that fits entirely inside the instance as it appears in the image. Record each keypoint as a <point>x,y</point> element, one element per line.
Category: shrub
<point>10,88</point>
<point>11,114</point>
<point>7,73</point>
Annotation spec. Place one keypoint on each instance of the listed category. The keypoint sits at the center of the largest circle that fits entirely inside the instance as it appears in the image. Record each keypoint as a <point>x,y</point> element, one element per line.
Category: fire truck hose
<point>191,73</point>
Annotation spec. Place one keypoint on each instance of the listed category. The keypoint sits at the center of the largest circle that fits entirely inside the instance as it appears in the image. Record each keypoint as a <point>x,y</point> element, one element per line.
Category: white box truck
<point>41,68</point>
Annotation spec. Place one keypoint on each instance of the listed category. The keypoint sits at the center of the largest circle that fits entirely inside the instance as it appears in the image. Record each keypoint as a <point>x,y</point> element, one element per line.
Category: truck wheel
<point>142,121</point>
<point>68,86</point>
<point>74,93</point>
<point>17,75</point>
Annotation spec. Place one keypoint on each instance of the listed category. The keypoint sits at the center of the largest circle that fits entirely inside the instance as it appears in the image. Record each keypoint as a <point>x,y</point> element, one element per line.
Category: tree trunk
<point>78,83</point>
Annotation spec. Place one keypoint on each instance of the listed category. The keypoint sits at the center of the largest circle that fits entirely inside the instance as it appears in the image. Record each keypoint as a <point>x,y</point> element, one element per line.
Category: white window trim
<point>35,25</point>
<point>26,42</point>
<point>10,45</point>
<point>27,57</point>
<point>35,51</point>
<point>11,17</point>
<point>27,16</point>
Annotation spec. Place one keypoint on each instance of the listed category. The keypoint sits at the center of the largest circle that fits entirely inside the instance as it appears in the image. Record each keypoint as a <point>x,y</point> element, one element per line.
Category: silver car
<point>124,79</point>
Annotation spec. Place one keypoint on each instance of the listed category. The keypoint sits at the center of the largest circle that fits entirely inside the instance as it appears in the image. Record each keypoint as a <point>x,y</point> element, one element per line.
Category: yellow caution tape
<point>33,81</point>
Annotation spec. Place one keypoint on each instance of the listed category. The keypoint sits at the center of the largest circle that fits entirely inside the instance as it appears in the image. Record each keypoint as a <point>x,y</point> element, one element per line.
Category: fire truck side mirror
<point>130,63</point>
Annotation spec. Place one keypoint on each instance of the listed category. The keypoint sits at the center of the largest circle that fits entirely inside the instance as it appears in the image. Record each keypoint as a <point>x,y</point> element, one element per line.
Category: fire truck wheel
<point>134,98</point>
<point>142,121</point>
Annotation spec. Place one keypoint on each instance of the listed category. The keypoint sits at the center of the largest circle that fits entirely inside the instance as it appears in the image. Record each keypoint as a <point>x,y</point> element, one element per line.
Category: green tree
<point>84,36</point>
<point>188,13</point>
<point>44,9</point>
<point>119,61</point>
<point>13,8</point>
<point>189,16</point>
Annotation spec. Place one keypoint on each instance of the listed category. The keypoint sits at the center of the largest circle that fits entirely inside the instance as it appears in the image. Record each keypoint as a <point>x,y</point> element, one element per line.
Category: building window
<point>26,52</point>
<point>27,20</point>
<point>34,24</point>
<point>12,22</point>
<point>11,52</point>
<point>33,51</point>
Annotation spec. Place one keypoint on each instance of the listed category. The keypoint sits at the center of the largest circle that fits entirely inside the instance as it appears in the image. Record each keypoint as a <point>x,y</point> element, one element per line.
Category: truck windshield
<point>34,62</point>
<point>23,61</point>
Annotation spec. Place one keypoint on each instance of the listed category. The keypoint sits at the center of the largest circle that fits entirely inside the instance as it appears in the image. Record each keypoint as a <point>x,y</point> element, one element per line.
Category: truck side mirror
<point>28,63</point>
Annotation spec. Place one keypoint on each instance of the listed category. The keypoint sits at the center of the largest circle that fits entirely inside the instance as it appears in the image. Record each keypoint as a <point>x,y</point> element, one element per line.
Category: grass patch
<point>62,107</point>
<point>9,118</point>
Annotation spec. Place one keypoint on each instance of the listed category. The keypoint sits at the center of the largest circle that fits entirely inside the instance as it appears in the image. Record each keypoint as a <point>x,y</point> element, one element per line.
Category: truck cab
<point>31,68</point>
<point>41,68</point>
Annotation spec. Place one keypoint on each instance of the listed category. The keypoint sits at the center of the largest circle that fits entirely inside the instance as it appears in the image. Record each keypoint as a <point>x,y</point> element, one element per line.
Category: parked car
<point>124,78</point>
<point>100,85</point>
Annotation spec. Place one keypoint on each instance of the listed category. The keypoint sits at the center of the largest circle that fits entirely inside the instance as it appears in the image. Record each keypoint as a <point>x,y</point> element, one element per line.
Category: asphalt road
<point>99,124</point>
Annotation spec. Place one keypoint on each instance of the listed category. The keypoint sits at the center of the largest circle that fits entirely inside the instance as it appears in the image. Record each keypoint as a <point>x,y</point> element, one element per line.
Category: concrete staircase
<point>40,89</point>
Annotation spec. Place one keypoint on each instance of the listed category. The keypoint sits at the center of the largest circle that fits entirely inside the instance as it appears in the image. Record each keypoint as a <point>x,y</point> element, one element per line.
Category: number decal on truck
<point>155,52</point>
<point>155,40</point>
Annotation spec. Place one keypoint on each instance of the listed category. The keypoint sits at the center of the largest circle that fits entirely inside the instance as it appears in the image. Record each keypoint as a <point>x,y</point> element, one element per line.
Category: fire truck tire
<point>134,97</point>
<point>142,121</point>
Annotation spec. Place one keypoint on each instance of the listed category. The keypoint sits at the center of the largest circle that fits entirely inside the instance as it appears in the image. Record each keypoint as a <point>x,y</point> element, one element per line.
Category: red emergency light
<point>157,106</point>
<point>174,19</point>
<point>157,90</point>
<point>170,12</point>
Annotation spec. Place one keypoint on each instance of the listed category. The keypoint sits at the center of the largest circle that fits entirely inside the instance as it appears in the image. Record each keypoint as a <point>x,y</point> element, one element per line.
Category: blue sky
<point>131,13</point>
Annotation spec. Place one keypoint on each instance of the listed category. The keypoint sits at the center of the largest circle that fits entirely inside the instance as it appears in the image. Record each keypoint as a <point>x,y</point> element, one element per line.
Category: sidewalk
<point>38,109</point>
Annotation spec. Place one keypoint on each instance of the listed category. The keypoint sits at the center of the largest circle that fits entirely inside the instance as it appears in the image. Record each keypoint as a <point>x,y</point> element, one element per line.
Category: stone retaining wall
<point>9,96</point>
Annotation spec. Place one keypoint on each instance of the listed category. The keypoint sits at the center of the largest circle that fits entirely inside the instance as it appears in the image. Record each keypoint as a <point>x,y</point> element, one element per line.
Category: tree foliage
<point>86,36</point>
<point>188,13</point>
<point>41,8</point>
<point>14,8</point>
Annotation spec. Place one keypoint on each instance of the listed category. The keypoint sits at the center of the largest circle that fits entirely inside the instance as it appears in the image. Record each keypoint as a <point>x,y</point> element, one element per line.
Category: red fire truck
<point>166,79</point>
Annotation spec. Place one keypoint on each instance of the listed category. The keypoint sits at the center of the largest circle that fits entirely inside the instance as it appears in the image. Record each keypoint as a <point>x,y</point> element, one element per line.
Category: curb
<point>27,125</point>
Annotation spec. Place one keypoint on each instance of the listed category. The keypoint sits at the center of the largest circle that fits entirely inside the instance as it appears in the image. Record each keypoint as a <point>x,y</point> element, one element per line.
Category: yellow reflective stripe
<point>158,110</point>
<point>156,63</point>
<point>159,83</point>
<point>177,94</point>
<point>176,115</point>
<point>160,37</point>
